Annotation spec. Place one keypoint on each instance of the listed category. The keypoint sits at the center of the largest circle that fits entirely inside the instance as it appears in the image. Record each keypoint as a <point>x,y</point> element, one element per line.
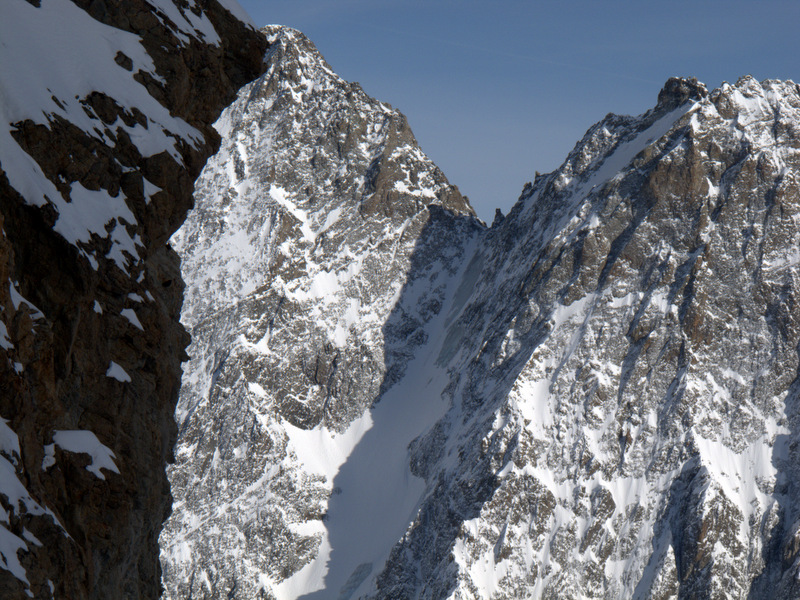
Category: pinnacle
<point>679,90</point>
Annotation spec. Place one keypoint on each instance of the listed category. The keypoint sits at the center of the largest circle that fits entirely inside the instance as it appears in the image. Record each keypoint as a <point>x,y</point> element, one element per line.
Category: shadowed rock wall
<point>90,343</point>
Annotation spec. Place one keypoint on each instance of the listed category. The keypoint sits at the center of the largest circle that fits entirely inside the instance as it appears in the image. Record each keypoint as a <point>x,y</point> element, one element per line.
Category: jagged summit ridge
<point>680,90</point>
<point>597,396</point>
<point>299,97</point>
<point>630,405</point>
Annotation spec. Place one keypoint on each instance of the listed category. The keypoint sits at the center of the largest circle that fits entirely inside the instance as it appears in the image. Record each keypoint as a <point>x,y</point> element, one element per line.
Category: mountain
<point>105,121</point>
<point>311,224</point>
<point>598,396</point>
<point>625,420</point>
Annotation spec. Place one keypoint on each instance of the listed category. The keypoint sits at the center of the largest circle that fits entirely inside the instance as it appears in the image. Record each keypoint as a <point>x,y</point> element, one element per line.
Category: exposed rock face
<point>102,135</point>
<point>595,397</point>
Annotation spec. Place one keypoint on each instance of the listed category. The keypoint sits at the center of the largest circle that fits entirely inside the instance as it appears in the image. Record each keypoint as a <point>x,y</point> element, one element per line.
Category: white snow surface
<point>85,442</point>
<point>130,315</point>
<point>577,459</point>
<point>187,22</point>
<point>5,341</point>
<point>11,545</point>
<point>18,299</point>
<point>9,442</point>
<point>376,494</point>
<point>262,210</point>
<point>115,371</point>
<point>233,7</point>
<point>19,501</point>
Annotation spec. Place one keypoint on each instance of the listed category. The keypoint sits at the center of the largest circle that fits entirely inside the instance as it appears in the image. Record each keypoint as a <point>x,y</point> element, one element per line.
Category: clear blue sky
<point>497,90</point>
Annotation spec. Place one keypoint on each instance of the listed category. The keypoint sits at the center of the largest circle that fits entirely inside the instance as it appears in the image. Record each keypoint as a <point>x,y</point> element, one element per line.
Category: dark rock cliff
<point>90,343</point>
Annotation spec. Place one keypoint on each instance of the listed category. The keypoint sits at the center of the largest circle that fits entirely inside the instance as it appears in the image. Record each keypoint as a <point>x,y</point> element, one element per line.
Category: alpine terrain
<point>596,397</point>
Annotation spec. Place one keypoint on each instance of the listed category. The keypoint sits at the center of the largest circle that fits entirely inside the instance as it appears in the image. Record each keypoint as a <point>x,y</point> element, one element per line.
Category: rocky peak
<point>294,59</point>
<point>328,209</point>
<point>638,382</point>
<point>678,91</point>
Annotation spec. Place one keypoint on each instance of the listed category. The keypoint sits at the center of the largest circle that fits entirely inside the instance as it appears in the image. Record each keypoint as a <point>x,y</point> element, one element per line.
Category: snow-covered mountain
<point>597,397</point>
<point>105,121</point>
<point>321,250</point>
<point>625,416</point>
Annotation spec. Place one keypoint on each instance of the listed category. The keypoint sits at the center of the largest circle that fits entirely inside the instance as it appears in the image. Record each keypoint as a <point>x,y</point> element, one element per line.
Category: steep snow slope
<point>596,397</point>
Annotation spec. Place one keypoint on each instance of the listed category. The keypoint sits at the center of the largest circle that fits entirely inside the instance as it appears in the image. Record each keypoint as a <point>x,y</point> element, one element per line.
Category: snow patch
<point>130,314</point>
<point>50,74</point>
<point>10,545</point>
<point>187,22</point>
<point>256,389</point>
<point>117,372</point>
<point>5,341</point>
<point>233,7</point>
<point>18,300</point>
<point>9,442</point>
<point>85,442</point>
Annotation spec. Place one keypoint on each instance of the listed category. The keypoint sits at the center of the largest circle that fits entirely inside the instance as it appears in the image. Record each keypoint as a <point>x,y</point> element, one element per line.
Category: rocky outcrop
<point>107,112</point>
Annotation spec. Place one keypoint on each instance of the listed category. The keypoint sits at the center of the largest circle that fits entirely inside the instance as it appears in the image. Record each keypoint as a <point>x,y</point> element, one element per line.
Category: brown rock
<point>101,539</point>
